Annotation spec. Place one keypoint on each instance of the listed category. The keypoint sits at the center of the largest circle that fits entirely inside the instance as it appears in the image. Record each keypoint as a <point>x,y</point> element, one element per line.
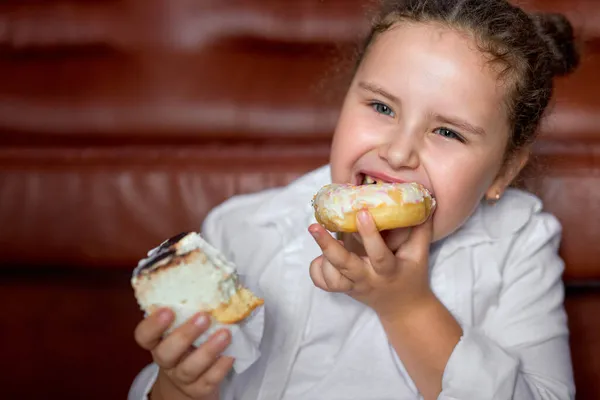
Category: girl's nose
<point>400,152</point>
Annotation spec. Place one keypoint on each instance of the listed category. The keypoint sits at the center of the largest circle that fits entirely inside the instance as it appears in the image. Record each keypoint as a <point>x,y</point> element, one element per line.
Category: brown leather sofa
<point>124,122</point>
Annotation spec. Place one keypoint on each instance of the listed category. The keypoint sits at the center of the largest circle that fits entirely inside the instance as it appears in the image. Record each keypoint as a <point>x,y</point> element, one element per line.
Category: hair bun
<point>557,33</point>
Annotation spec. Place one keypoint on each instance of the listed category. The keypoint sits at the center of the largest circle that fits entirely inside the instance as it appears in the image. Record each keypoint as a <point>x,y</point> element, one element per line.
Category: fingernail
<point>164,315</point>
<point>201,320</point>
<point>314,233</point>
<point>222,337</point>
<point>364,219</point>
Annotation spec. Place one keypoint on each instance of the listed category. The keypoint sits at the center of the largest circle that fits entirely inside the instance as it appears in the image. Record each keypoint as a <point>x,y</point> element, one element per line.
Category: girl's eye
<point>382,109</point>
<point>448,134</point>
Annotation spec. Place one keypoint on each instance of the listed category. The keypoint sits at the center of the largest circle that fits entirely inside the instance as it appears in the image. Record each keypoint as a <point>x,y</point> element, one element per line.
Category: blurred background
<point>123,122</point>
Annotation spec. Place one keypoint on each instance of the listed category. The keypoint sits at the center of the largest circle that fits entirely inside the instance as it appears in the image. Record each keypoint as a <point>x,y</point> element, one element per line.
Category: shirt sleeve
<point>521,350</point>
<point>143,383</point>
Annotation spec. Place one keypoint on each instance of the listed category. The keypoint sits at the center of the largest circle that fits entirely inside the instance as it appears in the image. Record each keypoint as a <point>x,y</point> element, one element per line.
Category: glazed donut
<point>392,205</point>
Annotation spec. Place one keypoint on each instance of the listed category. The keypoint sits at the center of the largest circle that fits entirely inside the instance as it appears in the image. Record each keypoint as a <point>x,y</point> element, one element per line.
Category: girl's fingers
<point>211,380</point>
<point>172,348</point>
<point>348,264</point>
<point>416,248</point>
<point>316,273</point>
<point>335,280</point>
<point>382,259</point>
<point>203,358</point>
<point>149,331</point>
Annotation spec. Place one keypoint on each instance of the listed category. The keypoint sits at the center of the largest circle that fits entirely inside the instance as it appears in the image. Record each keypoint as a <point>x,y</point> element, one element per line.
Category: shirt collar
<point>504,218</point>
<point>490,223</point>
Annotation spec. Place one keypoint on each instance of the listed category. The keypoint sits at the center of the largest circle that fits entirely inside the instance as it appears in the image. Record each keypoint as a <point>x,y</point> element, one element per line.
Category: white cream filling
<point>203,283</point>
<point>194,241</point>
<point>197,284</point>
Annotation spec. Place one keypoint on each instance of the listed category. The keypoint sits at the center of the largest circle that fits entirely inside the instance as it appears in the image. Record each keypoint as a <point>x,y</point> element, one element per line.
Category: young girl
<point>469,305</point>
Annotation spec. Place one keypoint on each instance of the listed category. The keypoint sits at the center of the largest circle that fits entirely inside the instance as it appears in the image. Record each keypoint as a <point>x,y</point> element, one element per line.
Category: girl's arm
<point>424,337</point>
<point>520,351</point>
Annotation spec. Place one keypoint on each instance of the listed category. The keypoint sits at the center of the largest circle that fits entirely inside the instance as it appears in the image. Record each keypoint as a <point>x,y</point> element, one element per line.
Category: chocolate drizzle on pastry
<point>158,256</point>
<point>172,241</point>
<point>166,250</point>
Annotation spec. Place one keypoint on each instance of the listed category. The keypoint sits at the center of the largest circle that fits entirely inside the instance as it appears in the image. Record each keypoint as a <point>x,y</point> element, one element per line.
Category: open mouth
<point>365,179</point>
<point>369,180</point>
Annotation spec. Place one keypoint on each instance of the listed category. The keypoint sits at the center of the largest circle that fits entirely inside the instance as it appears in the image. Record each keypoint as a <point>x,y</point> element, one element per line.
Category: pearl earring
<point>494,199</point>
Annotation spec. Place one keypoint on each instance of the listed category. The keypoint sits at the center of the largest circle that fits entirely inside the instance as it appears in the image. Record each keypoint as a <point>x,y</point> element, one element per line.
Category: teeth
<point>367,180</point>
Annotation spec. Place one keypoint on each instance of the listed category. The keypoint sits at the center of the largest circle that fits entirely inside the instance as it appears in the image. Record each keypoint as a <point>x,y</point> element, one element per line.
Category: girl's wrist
<point>415,307</point>
<point>164,389</point>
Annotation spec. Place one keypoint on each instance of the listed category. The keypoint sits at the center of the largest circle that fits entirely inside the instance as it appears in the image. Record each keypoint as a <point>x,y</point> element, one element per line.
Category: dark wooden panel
<point>582,306</point>
<point>149,68</point>
<point>69,336</point>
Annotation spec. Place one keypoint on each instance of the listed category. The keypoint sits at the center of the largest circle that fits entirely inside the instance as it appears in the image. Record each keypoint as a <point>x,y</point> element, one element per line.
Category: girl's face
<point>425,106</point>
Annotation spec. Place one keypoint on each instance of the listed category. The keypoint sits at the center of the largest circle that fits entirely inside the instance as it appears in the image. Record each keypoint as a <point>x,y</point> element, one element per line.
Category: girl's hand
<point>185,372</point>
<point>385,281</point>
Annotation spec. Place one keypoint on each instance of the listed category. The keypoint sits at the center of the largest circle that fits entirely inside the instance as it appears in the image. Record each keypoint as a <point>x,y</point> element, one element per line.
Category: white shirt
<point>499,275</point>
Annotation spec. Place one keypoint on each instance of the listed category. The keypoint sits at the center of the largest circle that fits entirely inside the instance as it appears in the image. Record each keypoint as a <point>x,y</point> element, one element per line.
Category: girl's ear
<point>511,169</point>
